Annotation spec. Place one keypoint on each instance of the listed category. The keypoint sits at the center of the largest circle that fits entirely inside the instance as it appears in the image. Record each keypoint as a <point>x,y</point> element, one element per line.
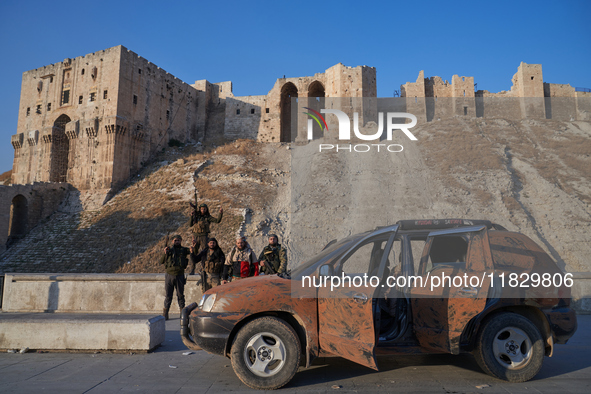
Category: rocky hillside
<point>5,177</point>
<point>128,233</point>
<point>532,176</point>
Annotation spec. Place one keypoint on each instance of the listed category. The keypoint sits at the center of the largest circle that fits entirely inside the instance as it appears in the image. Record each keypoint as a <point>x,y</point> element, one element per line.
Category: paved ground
<point>167,370</point>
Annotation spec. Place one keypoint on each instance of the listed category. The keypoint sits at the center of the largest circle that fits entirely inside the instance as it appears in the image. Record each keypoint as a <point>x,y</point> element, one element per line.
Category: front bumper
<point>210,331</point>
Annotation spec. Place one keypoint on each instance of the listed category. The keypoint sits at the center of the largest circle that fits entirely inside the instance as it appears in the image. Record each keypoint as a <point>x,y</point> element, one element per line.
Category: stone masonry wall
<point>94,120</point>
<point>80,90</point>
<point>263,117</point>
<point>529,97</point>
<point>560,101</point>
<point>157,107</point>
<point>583,105</point>
<point>244,116</point>
<point>37,202</point>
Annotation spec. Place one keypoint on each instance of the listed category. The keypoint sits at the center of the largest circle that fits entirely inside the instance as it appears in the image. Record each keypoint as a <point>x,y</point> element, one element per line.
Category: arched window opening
<point>60,150</point>
<point>316,102</point>
<point>19,219</point>
<point>288,91</point>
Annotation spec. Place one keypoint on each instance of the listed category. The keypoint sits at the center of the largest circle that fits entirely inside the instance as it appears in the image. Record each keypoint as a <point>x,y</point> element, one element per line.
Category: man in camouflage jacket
<point>175,261</point>
<point>211,264</point>
<point>200,225</point>
<point>274,256</point>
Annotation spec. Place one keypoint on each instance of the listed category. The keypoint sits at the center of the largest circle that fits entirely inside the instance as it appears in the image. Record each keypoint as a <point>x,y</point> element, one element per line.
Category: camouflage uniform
<point>276,256</point>
<point>200,225</point>
<point>233,263</point>
<point>175,262</point>
<point>211,262</point>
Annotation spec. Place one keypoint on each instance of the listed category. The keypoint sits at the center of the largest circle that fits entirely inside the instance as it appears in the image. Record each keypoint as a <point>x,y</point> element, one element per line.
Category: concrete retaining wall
<point>91,293</point>
<point>139,293</point>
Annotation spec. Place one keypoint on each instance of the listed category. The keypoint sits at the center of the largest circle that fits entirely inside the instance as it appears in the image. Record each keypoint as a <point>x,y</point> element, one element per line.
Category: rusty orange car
<point>416,287</point>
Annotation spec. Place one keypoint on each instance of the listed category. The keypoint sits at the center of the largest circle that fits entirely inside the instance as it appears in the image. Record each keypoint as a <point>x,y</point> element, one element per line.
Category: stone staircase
<point>44,249</point>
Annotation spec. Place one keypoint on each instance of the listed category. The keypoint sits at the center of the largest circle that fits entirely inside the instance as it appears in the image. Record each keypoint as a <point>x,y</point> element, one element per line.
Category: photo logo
<point>315,116</point>
<point>345,129</point>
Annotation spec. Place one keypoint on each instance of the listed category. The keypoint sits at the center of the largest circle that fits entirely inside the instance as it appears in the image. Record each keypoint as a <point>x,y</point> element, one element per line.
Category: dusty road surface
<point>167,370</point>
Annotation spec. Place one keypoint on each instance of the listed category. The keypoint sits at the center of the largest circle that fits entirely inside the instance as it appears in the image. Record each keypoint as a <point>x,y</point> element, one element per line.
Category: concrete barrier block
<point>69,331</point>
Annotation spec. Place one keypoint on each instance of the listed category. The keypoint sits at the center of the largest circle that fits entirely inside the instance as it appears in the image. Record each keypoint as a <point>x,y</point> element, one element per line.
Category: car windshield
<point>336,249</point>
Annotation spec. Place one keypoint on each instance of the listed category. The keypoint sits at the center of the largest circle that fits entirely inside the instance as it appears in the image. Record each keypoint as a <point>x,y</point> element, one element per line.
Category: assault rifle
<point>202,281</point>
<point>166,239</point>
<point>269,267</point>
<point>203,278</point>
<point>194,206</point>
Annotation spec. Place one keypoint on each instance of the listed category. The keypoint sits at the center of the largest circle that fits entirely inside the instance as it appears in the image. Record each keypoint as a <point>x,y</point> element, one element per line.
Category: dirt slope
<point>127,234</point>
<point>529,176</point>
<point>5,177</point>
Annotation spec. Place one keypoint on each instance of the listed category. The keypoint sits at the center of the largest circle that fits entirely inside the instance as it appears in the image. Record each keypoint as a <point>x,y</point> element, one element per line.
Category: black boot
<point>165,313</point>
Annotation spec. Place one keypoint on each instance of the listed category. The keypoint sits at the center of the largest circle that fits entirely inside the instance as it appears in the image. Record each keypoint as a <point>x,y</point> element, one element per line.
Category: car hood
<point>251,295</point>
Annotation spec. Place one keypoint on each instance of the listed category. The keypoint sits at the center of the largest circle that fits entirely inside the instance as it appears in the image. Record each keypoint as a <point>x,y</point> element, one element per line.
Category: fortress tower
<point>93,120</point>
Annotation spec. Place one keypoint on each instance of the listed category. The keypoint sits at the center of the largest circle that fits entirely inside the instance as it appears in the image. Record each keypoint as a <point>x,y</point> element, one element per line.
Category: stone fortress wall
<point>529,97</point>
<point>268,118</point>
<point>22,207</point>
<point>94,120</point>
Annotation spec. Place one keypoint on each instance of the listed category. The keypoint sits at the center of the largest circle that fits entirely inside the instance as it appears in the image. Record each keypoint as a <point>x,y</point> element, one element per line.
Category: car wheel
<point>266,353</point>
<point>510,347</point>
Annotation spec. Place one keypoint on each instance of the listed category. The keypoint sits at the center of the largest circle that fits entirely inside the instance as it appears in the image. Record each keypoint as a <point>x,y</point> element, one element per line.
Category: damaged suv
<point>416,287</point>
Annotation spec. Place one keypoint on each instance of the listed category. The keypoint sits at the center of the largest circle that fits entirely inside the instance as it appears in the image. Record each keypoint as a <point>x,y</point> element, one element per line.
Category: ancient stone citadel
<point>94,120</point>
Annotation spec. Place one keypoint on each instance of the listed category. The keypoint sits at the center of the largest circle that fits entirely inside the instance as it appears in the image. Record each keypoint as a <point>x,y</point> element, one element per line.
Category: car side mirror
<point>326,270</point>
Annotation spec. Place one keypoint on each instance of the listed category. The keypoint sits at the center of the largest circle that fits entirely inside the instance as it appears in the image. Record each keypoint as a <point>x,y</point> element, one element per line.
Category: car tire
<point>266,353</point>
<point>509,347</point>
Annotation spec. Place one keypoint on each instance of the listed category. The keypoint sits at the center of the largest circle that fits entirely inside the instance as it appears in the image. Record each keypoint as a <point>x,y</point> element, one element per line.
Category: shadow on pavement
<point>325,370</point>
<point>567,359</point>
<point>172,337</point>
<point>572,357</point>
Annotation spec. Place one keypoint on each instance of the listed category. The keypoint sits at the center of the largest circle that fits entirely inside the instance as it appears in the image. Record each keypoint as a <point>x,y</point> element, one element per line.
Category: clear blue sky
<point>253,42</point>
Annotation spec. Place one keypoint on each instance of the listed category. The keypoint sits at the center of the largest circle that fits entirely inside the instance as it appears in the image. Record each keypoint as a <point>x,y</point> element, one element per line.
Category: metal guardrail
<point>582,90</point>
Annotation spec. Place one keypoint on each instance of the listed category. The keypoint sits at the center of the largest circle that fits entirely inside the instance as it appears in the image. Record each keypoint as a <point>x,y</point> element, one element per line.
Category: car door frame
<point>441,314</point>
<point>346,321</point>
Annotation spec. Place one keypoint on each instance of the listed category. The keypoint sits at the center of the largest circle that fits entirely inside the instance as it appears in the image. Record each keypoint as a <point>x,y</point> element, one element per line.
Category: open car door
<point>346,312</point>
<point>442,307</point>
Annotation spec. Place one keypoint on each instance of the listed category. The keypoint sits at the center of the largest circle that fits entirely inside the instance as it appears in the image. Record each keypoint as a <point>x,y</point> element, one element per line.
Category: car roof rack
<point>438,224</point>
